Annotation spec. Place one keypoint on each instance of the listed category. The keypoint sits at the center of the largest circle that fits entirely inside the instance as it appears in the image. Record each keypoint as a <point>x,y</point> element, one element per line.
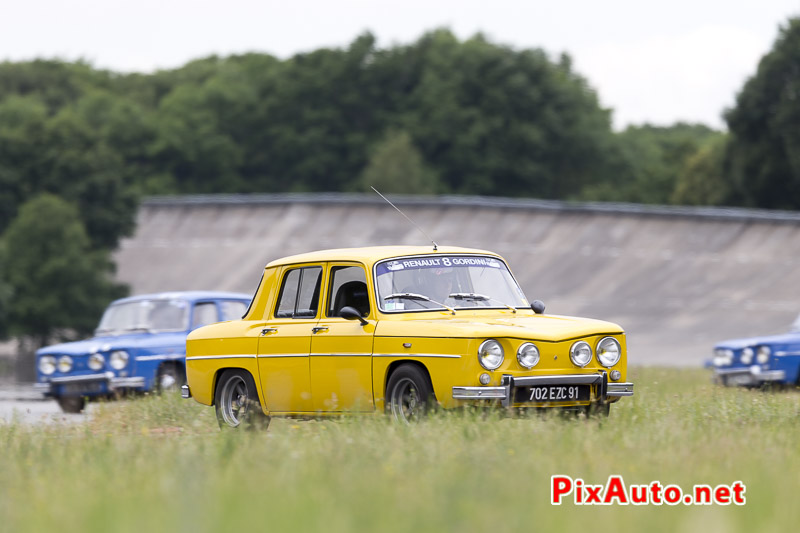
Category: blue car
<point>759,360</point>
<point>140,345</point>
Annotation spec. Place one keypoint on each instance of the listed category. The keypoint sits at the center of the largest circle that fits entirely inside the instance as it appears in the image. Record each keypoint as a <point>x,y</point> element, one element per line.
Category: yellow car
<point>399,329</point>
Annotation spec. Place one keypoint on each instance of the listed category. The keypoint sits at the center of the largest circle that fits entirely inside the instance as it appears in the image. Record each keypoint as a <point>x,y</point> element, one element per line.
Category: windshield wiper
<point>415,296</point>
<point>478,298</point>
<point>139,328</point>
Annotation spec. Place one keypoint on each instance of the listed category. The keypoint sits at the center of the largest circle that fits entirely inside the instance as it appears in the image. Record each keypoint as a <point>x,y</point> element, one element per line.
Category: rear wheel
<point>409,394</point>
<point>71,404</point>
<point>236,402</point>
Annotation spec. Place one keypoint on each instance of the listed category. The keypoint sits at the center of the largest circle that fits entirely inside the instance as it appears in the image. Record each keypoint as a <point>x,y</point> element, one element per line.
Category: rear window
<point>299,296</point>
<point>232,309</point>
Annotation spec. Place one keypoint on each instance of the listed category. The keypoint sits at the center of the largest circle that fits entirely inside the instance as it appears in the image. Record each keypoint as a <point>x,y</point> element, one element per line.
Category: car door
<point>285,341</point>
<point>341,349</point>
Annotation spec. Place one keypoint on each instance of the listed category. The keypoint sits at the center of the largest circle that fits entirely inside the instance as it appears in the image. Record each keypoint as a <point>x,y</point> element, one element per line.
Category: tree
<point>80,153</point>
<point>492,120</point>
<point>762,160</point>
<point>396,166</point>
<point>59,282</point>
<point>81,167</point>
<point>5,293</point>
<point>53,82</point>
<point>702,181</point>
<point>480,117</point>
<point>23,122</point>
<point>650,162</point>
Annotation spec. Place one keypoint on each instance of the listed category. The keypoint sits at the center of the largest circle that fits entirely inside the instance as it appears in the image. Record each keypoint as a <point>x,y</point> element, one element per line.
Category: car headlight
<point>490,354</point>
<point>47,364</point>
<point>118,359</point>
<point>723,357</point>
<point>580,353</point>
<point>96,361</point>
<point>763,354</point>
<point>64,363</point>
<point>747,356</point>
<point>528,355</point>
<point>608,352</point>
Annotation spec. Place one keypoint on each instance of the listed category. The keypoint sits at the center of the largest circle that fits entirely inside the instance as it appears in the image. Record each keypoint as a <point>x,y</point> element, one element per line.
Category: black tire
<point>409,394</point>
<point>71,404</point>
<point>236,402</point>
<point>596,410</point>
<point>169,378</point>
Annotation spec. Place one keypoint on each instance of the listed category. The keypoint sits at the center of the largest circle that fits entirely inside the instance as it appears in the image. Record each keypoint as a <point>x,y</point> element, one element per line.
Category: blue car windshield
<point>452,281</point>
<point>145,315</point>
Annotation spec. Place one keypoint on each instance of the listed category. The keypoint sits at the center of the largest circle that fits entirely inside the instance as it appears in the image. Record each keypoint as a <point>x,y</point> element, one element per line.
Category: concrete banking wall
<point>677,279</point>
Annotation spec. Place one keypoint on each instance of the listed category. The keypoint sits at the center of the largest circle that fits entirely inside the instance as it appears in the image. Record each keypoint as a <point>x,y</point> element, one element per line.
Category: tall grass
<point>161,464</point>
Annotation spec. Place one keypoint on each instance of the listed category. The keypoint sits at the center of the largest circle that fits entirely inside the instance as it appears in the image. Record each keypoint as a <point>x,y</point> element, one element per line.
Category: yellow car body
<point>306,360</point>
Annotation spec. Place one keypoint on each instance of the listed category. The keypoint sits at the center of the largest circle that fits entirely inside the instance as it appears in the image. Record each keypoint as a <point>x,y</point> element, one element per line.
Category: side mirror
<point>351,313</point>
<point>537,306</point>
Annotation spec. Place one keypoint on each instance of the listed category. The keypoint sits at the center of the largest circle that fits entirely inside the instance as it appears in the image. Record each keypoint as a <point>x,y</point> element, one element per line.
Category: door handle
<point>267,331</point>
<point>317,329</point>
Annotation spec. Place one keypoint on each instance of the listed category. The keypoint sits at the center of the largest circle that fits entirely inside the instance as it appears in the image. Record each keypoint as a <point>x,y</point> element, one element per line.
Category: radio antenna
<point>435,246</point>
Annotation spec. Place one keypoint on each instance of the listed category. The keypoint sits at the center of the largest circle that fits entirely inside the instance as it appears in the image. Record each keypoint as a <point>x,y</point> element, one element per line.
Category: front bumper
<point>752,376</point>
<point>603,390</point>
<point>88,384</point>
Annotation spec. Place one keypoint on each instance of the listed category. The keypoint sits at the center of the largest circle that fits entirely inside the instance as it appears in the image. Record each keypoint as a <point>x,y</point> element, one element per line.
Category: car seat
<point>353,294</point>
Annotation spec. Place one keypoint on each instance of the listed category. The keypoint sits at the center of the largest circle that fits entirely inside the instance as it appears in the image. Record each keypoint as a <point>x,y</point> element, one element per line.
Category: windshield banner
<point>437,262</point>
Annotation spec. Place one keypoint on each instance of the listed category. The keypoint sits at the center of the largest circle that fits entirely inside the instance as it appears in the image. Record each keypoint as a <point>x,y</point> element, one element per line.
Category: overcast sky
<point>656,62</point>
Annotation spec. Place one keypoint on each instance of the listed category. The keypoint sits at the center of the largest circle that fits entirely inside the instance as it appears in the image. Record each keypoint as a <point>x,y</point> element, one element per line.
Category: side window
<point>232,309</point>
<point>348,287</point>
<point>205,313</point>
<point>299,293</point>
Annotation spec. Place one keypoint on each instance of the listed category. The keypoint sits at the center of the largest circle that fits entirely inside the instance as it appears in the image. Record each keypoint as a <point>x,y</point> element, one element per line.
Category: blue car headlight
<point>118,359</point>
<point>747,356</point>
<point>64,363</point>
<point>723,357</point>
<point>97,361</point>
<point>47,364</point>
<point>763,354</point>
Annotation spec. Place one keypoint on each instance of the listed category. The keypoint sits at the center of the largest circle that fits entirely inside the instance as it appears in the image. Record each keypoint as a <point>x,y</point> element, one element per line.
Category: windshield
<point>446,281</point>
<point>795,326</point>
<point>145,315</point>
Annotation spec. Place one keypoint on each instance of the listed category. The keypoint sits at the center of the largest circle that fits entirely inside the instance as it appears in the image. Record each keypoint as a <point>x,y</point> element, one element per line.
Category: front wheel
<point>596,410</point>
<point>236,401</point>
<point>169,378</point>
<point>71,404</point>
<point>409,394</point>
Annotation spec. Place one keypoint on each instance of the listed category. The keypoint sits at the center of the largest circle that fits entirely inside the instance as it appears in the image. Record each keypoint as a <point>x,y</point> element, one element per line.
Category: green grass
<point>161,464</point>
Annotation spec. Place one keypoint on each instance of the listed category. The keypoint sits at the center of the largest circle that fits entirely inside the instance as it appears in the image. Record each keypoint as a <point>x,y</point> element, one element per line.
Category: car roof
<point>372,254</point>
<point>187,295</point>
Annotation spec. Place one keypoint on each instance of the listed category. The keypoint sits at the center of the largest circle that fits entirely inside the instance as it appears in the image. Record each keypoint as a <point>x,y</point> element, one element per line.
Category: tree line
<point>79,145</point>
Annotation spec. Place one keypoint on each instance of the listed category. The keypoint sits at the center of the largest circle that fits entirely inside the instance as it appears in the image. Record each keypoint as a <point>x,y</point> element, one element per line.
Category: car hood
<point>551,328</point>
<point>772,340</point>
<point>119,342</point>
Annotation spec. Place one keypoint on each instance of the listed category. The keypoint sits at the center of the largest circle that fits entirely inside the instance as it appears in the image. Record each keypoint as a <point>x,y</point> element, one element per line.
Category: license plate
<point>739,379</point>
<point>552,393</point>
<point>92,387</point>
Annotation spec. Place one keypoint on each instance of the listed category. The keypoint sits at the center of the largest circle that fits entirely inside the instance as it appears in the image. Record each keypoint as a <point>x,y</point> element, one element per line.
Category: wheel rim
<point>167,381</point>
<point>233,401</point>
<point>406,403</point>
